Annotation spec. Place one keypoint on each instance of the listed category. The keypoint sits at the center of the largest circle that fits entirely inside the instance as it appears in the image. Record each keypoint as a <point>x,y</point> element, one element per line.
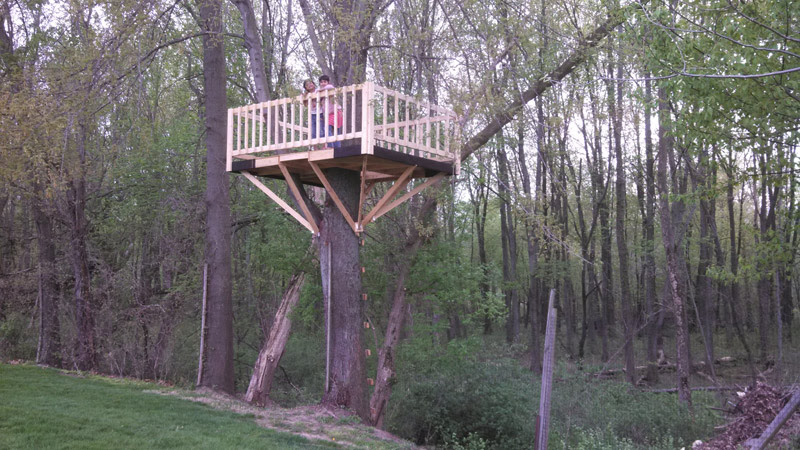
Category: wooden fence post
<point>202,327</point>
<point>547,376</point>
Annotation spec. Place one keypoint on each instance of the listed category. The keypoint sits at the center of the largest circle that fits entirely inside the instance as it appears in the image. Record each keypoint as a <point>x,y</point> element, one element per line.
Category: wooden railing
<point>387,119</point>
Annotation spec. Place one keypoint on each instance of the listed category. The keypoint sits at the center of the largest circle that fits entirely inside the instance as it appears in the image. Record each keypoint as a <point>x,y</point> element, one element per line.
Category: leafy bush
<point>458,401</point>
<point>617,414</point>
<point>460,398</point>
<point>301,374</point>
<point>16,338</point>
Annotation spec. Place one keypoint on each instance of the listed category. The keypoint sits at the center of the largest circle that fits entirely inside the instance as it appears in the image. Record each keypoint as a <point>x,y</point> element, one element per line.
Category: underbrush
<point>470,396</point>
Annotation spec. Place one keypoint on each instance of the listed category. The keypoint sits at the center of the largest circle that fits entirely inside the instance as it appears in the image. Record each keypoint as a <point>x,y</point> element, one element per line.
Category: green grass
<point>43,408</point>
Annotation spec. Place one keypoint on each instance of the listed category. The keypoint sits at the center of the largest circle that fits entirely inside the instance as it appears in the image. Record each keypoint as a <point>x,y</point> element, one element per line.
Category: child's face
<point>310,86</point>
<point>323,83</point>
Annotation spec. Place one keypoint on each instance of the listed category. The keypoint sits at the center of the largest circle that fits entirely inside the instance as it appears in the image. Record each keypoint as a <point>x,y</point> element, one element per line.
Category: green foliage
<point>453,398</point>
<point>301,375</point>
<point>613,412</point>
<point>449,283</point>
<point>460,397</point>
<point>17,341</point>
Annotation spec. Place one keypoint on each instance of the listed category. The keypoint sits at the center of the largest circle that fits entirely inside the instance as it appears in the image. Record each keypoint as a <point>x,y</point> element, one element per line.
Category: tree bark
<point>86,352</point>
<point>48,351</point>
<point>509,244</point>
<point>272,350</point>
<point>649,241</point>
<point>386,356</point>
<point>255,50</point>
<point>622,245</point>
<point>347,372</point>
<point>218,372</point>
<point>674,282</point>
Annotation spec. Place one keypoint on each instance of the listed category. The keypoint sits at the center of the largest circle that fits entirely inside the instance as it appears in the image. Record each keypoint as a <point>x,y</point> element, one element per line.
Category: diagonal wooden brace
<point>396,187</point>
<point>300,201</point>
<point>279,201</point>
<point>429,182</point>
<point>362,194</point>
<point>334,196</point>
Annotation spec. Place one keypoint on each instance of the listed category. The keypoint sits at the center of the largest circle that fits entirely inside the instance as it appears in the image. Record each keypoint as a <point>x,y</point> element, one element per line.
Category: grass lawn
<point>44,408</point>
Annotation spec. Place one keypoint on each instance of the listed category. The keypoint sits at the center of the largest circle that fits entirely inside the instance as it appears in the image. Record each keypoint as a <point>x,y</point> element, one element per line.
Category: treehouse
<point>384,135</point>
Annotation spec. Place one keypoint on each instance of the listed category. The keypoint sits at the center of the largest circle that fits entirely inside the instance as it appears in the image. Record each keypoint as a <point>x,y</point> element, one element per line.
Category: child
<point>332,109</point>
<point>317,121</point>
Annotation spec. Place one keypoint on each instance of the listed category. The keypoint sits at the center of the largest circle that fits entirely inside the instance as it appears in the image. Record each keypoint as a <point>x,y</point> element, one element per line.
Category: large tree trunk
<point>339,263</point>
<point>271,352</point>
<point>218,371</point>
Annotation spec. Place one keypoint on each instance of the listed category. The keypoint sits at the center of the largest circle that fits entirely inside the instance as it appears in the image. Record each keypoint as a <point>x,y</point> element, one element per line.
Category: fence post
<point>547,375</point>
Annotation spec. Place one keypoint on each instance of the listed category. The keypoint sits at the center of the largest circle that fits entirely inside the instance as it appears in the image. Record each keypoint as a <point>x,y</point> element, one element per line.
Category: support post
<point>327,302</point>
<point>430,181</point>
<point>396,187</point>
<point>280,202</point>
<point>296,192</point>
<point>202,327</point>
<point>334,196</point>
<point>547,375</point>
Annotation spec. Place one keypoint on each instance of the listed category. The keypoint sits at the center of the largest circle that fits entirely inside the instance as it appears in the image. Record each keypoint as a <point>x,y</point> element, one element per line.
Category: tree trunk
<point>622,246</point>
<point>649,242</point>
<point>218,372</point>
<point>255,51</point>
<point>339,246</point>
<point>86,352</point>
<point>48,351</point>
<point>509,241</point>
<point>733,302</point>
<point>272,350</point>
<point>386,356</point>
<point>704,295</point>
<point>671,246</point>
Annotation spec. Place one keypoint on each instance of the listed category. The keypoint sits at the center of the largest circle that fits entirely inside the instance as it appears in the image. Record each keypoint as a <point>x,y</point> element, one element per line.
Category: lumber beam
<point>335,197</point>
<point>279,201</point>
<point>300,201</point>
<point>429,182</point>
<point>396,187</point>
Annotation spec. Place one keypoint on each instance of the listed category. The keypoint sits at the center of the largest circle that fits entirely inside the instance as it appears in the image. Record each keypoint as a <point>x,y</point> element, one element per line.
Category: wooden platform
<point>382,165</point>
<point>384,136</point>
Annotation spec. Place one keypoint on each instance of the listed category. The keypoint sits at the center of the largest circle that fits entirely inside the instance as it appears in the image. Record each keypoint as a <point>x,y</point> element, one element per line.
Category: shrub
<point>614,411</point>
<point>461,402</point>
<point>16,338</point>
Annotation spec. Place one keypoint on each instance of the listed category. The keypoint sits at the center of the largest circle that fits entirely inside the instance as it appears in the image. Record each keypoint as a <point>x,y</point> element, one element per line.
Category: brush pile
<point>756,408</point>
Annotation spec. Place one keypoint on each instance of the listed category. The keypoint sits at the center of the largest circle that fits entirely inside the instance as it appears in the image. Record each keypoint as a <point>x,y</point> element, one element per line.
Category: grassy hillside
<point>43,408</point>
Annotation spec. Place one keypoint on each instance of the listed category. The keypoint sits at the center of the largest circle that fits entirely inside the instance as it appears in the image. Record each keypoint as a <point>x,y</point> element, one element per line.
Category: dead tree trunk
<point>386,356</point>
<point>271,352</point>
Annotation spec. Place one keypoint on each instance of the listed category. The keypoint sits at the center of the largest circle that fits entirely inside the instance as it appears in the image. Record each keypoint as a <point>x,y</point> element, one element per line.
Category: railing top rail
<point>349,88</point>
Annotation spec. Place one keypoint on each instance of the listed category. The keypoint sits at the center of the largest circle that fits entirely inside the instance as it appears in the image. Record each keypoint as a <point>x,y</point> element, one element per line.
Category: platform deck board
<point>383,165</point>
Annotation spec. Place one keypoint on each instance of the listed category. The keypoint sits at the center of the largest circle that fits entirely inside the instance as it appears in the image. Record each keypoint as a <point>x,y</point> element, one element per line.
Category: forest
<point>638,158</point>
